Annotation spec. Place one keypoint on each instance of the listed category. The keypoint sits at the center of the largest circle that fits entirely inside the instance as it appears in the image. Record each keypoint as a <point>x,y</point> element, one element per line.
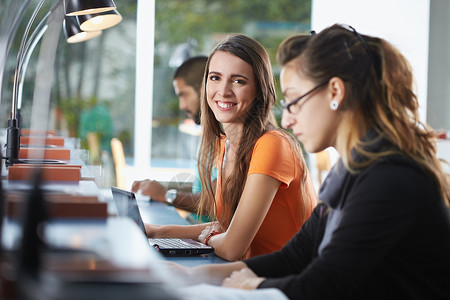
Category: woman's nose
<point>224,89</point>
<point>287,120</point>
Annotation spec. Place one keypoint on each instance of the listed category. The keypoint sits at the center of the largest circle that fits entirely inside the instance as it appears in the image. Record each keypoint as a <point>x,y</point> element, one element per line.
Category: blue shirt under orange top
<point>274,156</point>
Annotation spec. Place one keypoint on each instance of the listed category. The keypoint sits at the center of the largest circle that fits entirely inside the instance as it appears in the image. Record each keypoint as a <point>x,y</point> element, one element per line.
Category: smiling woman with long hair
<point>263,193</point>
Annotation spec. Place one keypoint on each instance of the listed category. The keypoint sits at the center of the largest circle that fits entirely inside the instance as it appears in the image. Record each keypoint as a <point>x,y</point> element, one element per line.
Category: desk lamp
<point>2,212</point>
<point>73,32</point>
<point>100,21</point>
<point>84,7</point>
<point>72,8</point>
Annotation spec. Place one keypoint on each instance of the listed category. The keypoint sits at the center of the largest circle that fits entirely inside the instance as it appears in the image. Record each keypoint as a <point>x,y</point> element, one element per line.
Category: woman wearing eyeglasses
<point>382,230</point>
<point>264,192</point>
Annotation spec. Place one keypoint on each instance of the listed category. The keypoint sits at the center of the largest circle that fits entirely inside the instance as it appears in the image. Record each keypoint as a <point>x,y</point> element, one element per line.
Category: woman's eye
<point>239,81</point>
<point>213,77</point>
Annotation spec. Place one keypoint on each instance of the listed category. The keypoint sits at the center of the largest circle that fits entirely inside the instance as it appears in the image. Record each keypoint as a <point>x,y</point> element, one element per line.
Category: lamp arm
<point>14,20</point>
<point>35,37</point>
<point>37,31</point>
<point>25,46</point>
<point>34,40</point>
<point>9,26</point>
<point>20,57</point>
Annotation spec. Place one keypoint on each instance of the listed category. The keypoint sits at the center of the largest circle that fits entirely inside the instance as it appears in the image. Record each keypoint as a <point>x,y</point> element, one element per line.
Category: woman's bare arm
<point>256,199</point>
<point>175,231</point>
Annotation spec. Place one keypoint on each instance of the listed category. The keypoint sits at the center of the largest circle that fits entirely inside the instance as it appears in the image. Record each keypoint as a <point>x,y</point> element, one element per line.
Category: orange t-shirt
<point>273,156</point>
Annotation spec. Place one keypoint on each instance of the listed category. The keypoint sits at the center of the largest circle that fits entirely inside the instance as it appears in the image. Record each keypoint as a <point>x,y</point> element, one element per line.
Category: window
<point>189,28</point>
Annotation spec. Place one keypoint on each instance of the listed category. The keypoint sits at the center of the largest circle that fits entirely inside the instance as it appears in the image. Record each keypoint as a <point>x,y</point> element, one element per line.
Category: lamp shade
<point>99,21</point>
<point>73,32</point>
<point>83,7</point>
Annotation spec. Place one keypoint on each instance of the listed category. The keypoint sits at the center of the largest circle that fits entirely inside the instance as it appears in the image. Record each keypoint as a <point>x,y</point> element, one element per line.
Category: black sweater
<point>392,241</point>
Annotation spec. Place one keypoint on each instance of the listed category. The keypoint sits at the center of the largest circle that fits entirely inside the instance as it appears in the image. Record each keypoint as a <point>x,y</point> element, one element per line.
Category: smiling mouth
<point>225,105</point>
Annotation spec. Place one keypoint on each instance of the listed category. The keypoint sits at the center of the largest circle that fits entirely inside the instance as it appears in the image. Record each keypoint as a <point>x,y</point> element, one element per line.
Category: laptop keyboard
<point>175,243</point>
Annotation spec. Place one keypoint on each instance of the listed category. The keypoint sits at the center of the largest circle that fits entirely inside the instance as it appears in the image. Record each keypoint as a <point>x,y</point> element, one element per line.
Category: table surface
<point>86,173</point>
<point>86,244</point>
<point>112,252</point>
<point>162,214</point>
<point>86,233</point>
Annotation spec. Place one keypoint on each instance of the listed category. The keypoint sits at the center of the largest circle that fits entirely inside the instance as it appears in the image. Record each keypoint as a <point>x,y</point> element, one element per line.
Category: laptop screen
<point>127,206</point>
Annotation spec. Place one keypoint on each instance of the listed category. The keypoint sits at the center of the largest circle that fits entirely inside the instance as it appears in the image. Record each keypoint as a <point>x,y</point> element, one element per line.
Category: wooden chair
<point>119,162</point>
<point>93,142</point>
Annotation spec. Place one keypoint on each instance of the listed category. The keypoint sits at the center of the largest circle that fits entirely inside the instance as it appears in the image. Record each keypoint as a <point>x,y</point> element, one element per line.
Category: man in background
<point>187,82</point>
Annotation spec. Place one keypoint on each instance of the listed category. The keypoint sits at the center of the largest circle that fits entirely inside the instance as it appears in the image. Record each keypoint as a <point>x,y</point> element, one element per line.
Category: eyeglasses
<point>295,109</point>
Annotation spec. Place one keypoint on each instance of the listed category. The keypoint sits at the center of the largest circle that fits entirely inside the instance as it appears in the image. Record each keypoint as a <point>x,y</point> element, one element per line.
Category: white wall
<point>144,82</point>
<point>404,23</point>
<point>438,111</point>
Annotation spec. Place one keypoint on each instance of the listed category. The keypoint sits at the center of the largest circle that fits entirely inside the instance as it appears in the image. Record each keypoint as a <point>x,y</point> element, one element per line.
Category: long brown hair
<point>379,92</point>
<point>258,120</point>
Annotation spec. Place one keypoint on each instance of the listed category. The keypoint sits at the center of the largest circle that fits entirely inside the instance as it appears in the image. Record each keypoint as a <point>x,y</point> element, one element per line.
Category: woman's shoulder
<point>277,145</point>
<point>399,172</point>
<point>274,135</point>
<point>396,163</point>
<point>279,141</point>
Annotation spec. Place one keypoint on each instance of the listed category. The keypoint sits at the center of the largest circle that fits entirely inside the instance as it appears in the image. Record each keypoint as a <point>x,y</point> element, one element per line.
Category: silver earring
<point>334,105</point>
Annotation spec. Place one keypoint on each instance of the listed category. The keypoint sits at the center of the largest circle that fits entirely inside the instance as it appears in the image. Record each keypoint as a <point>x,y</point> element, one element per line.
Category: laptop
<point>127,207</point>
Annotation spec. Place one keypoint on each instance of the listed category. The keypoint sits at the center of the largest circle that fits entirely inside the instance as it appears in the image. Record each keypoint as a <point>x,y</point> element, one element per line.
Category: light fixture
<point>99,21</point>
<point>84,7</point>
<point>73,32</point>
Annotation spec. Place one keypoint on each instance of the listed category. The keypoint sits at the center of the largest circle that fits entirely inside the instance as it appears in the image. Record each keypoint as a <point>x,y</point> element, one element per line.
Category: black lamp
<point>72,7</point>
<point>83,7</point>
<point>99,21</point>
<point>73,32</point>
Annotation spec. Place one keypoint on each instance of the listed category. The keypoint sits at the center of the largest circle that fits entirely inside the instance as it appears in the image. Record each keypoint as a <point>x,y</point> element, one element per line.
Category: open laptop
<point>127,207</point>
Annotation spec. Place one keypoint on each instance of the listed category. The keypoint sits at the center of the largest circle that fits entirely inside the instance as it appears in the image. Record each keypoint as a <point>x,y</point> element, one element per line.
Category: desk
<point>151,211</point>
<point>160,213</point>
<point>11,231</point>
<point>117,241</point>
<point>124,266</point>
<point>85,174</point>
<point>88,188</point>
